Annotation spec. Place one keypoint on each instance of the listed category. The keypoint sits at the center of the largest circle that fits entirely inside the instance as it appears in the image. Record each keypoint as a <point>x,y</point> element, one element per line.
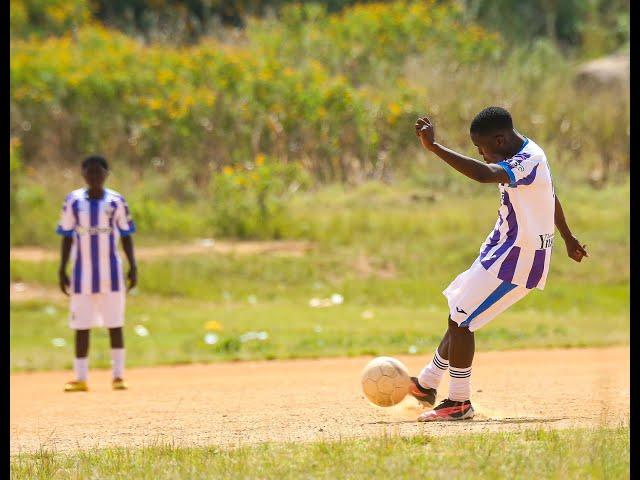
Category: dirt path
<point>288,248</point>
<point>305,400</point>
<point>23,292</point>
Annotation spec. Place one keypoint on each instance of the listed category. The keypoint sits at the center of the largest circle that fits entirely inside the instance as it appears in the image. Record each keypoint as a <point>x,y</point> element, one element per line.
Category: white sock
<point>460,384</point>
<point>431,375</point>
<point>117,362</point>
<point>81,367</point>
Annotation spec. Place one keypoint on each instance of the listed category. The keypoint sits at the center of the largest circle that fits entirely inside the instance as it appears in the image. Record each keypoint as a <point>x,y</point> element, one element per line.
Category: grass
<point>385,253</point>
<point>575,453</point>
<point>176,331</point>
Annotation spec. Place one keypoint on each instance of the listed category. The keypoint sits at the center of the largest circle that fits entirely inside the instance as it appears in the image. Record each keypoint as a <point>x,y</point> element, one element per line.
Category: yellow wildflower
<point>213,326</point>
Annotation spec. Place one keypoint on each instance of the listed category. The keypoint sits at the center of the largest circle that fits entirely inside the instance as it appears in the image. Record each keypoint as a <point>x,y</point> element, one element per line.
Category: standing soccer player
<point>92,221</point>
<point>513,260</point>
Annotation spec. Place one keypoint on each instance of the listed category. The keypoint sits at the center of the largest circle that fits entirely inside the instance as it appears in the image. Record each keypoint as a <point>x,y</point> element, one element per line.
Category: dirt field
<point>306,400</point>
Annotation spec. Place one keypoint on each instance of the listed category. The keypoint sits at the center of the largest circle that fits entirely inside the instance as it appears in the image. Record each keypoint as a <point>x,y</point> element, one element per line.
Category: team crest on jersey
<point>92,230</point>
<point>516,161</point>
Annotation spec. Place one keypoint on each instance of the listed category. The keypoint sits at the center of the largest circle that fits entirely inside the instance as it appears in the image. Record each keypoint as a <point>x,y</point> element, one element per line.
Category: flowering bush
<point>251,199</point>
<point>337,93</point>
<point>218,104</point>
<point>373,40</point>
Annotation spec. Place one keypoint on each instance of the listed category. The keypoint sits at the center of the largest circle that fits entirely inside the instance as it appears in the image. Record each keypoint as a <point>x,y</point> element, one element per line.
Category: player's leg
<point>475,297</point>
<point>443,348</point>
<point>116,338</point>
<point>81,361</point>
<point>80,320</point>
<point>424,387</point>
<point>457,406</point>
<point>113,315</point>
<point>82,345</point>
<point>462,348</point>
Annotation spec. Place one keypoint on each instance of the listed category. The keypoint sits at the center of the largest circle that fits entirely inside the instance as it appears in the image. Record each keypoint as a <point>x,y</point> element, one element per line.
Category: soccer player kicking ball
<point>92,220</point>
<point>513,260</point>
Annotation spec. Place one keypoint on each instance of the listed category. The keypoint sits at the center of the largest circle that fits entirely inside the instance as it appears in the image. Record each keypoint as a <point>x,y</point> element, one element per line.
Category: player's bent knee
<point>458,330</point>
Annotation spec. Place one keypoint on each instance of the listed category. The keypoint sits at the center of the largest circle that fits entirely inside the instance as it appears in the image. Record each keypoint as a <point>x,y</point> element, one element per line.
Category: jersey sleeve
<point>67,223</point>
<point>521,169</point>
<point>124,221</point>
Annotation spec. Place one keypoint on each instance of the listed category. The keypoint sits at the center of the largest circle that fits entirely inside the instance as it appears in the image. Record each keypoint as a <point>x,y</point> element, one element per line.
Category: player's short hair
<point>490,120</point>
<point>91,159</point>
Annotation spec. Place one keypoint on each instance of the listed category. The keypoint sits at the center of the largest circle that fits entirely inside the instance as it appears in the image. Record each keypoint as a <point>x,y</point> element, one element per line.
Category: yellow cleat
<point>118,384</point>
<point>76,386</point>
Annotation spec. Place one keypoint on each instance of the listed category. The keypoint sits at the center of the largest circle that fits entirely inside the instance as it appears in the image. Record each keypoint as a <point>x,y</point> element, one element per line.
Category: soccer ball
<point>385,381</point>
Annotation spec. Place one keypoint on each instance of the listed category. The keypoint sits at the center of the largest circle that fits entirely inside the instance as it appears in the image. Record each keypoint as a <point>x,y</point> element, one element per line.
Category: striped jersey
<point>518,250</point>
<point>95,226</point>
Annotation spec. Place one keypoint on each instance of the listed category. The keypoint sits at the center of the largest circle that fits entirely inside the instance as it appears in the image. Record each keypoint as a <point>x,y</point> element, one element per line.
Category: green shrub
<point>252,201</point>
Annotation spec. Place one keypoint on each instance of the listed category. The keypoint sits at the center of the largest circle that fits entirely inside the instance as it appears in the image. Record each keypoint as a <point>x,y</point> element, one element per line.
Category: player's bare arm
<point>127,246</point>
<point>63,278</point>
<point>574,249</point>
<point>474,169</point>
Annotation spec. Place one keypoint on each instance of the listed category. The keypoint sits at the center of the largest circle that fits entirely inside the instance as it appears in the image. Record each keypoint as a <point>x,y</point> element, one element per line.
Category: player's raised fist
<point>425,131</point>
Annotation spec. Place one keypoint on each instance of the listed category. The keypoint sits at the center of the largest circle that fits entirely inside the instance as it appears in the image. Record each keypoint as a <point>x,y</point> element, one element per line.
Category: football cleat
<point>448,410</point>
<point>76,386</point>
<point>119,384</point>
<point>426,396</point>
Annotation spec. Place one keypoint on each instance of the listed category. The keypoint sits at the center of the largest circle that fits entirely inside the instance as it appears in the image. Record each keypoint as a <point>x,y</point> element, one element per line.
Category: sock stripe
<point>439,364</point>
<point>460,384</point>
<point>460,372</point>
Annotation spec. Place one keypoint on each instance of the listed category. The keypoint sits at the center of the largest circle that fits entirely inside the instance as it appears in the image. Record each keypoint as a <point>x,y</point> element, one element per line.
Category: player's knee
<point>458,330</point>
<point>116,337</point>
<point>82,334</point>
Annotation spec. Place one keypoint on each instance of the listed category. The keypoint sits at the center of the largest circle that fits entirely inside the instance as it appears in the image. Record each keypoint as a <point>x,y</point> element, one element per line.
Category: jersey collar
<point>86,195</point>
<point>524,144</point>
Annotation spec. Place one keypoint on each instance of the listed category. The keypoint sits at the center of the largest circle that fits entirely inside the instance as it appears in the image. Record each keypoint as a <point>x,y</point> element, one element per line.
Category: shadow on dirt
<point>495,421</point>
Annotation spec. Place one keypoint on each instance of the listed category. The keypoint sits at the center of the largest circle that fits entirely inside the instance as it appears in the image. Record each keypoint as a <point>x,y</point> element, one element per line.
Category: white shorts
<point>97,310</point>
<point>476,296</point>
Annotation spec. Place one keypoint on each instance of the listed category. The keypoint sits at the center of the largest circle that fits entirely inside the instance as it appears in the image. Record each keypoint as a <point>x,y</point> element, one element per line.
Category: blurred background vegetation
<point>203,99</point>
<point>256,119</point>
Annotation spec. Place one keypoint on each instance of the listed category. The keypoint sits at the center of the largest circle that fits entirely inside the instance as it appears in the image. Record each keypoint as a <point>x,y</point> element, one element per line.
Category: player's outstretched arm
<point>475,170</point>
<point>574,249</point>
<point>127,246</point>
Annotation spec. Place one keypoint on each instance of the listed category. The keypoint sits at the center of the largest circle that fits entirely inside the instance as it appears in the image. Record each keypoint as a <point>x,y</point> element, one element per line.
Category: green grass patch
<point>576,453</point>
<point>176,331</point>
<point>380,248</point>
<point>382,245</point>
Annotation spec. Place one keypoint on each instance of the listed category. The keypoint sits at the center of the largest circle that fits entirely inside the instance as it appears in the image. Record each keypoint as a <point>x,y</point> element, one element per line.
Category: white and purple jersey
<point>95,226</point>
<point>518,250</point>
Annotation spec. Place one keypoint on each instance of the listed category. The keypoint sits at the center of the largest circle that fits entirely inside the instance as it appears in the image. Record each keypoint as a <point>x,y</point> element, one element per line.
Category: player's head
<point>95,171</point>
<point>492,132</point>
